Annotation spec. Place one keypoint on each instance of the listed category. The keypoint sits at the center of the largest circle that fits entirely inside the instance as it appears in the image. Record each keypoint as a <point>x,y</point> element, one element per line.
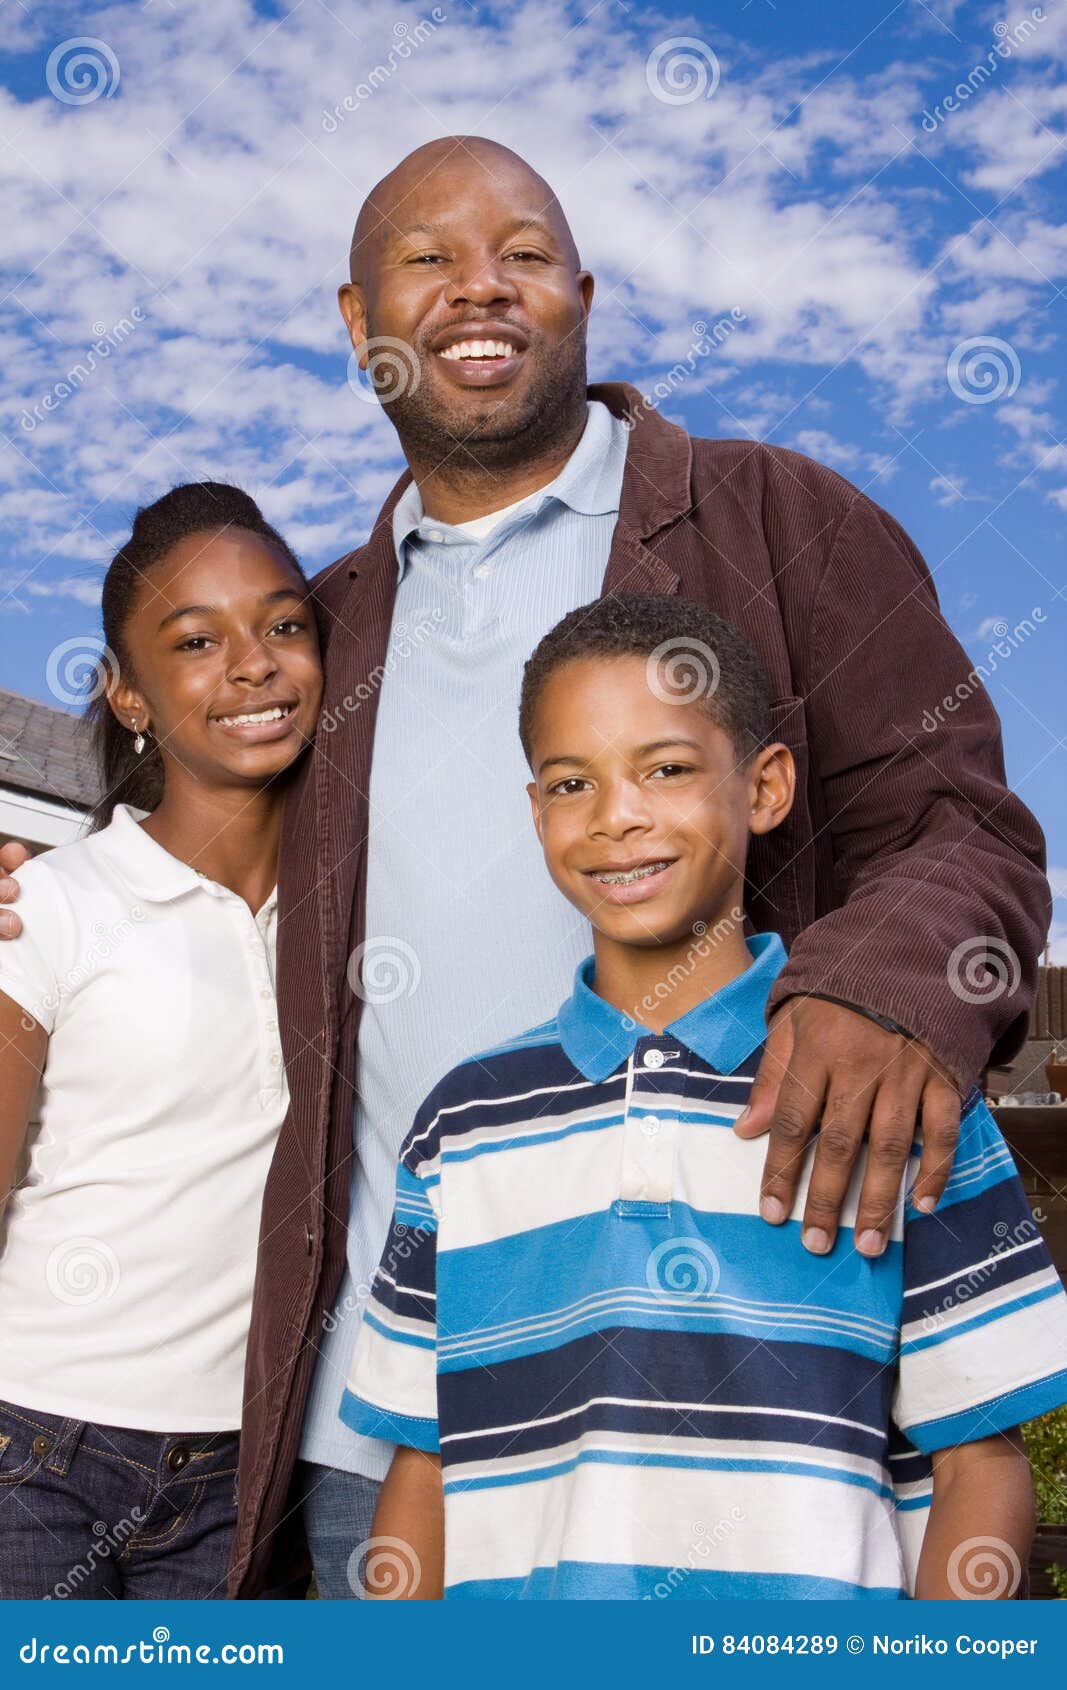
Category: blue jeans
<point>102,1511</point>
<point>338,1509</point>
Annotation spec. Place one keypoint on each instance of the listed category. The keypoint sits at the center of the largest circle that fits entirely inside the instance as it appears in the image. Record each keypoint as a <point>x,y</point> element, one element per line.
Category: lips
<point>480,354</point>
<point>266,722</point>
<point>631,883</point>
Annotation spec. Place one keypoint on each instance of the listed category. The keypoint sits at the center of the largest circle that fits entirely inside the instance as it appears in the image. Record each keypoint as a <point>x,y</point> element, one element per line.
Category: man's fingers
<point>12,856</point>
<point>941,1130</point>
<point>796,1116</point>
<point>844,1121</point>
<point>894,1119</point>
<point>758,1113</point>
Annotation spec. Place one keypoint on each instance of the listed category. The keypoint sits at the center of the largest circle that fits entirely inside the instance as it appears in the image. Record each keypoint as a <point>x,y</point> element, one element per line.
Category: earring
<point>138,737</point>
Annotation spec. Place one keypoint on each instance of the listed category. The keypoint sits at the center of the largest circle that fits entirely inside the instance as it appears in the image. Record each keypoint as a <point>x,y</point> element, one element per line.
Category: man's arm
<point>981,1526</point>
<point>944,901</point>
<point>405,1560</point>
<point>12,856</point>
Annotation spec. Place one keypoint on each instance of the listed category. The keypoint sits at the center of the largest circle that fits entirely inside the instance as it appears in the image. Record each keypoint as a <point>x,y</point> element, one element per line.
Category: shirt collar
<point>722,1031</point>
<point>148,869</point>
<point>590,482</point>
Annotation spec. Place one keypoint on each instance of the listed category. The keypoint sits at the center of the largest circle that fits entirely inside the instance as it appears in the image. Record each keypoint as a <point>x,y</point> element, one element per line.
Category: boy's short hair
<point>693,656</point>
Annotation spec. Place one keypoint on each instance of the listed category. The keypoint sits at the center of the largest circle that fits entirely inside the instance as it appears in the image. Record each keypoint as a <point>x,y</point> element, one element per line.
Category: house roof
<point>46,751</point>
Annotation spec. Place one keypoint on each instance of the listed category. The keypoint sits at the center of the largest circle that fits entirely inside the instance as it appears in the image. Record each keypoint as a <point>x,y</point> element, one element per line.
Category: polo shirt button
<point>275,1060</point>
<point>178,1458</point>
<point>480,571</point>
<point>653,1059</point>
<point>265,992</point>
<point>650,1125</point>
<point>434,534</point>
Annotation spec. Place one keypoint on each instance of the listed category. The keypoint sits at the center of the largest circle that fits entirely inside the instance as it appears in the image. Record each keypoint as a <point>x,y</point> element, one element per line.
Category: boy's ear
<point>535,806</point>
<point>772,779</point>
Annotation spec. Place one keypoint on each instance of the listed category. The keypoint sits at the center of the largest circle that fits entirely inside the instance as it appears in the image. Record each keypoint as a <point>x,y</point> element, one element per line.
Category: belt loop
<point>66,1444</point>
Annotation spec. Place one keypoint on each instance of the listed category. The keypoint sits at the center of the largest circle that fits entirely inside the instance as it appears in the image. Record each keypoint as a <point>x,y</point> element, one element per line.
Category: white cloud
<point>210,195</point>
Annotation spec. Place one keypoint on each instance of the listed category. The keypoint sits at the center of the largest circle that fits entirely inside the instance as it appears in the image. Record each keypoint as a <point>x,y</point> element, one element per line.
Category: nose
<point>619,808</point>
<point>480,279</point>
<point>256,665</point>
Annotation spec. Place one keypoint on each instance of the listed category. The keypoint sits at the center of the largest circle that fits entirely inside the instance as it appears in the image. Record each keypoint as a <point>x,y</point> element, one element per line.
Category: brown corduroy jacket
<point>903,850</point>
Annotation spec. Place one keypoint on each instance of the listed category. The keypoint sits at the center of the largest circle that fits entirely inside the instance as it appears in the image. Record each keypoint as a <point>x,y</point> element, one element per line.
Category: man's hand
<point>826,1065</point>
<point>12,856</point>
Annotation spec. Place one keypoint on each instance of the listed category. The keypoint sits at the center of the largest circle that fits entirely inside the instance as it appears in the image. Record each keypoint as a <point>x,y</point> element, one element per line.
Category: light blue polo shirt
<point>456,886</point>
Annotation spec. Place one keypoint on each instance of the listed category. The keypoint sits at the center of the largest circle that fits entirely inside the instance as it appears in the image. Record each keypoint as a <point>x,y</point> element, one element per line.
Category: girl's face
<point>224,655</point>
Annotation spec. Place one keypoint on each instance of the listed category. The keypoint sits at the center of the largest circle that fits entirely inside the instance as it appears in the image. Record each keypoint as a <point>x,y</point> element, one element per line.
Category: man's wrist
<point>882,1021</point>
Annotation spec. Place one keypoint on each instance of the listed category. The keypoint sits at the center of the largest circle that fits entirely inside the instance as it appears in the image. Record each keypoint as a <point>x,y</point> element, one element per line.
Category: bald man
<point>417,922</point>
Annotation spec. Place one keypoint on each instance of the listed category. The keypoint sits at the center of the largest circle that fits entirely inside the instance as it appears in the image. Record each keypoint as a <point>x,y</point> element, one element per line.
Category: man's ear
<point>535,806</point>
<point>354,311</point>
<point>772,784</point>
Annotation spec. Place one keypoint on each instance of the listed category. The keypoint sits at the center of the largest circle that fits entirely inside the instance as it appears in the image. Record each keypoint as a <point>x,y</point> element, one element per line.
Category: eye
<point>426,258</point>
<point>195,642</point>
<point>670,770</point>
<point>568,787</point>
<point>290,625</point>
<point>526,252</point>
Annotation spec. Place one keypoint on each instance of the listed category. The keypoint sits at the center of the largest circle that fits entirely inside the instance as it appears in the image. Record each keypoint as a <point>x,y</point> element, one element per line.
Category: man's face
<point>473,272</point>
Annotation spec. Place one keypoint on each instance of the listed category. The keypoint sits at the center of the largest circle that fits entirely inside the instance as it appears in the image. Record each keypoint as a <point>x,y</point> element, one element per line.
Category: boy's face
<point>638,802</point>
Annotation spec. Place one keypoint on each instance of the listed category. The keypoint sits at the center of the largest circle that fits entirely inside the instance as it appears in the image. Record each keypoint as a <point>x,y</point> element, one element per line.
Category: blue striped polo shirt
<point>636,1386</point>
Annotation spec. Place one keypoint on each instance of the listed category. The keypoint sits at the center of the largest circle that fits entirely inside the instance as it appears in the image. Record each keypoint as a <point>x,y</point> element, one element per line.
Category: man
<point>529,493</point>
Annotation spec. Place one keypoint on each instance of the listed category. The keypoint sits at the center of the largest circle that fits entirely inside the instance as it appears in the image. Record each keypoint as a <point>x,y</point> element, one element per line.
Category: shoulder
<point>468,1094</point>
<point>64,866</point>
<point>774,473</point>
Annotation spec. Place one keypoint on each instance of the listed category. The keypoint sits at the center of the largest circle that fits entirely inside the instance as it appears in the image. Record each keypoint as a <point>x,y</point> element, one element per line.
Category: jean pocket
<point>26,1441</point>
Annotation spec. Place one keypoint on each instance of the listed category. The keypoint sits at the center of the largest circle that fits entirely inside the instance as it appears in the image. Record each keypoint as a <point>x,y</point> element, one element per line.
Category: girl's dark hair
<point>691,654</point>
<point>195,507</point>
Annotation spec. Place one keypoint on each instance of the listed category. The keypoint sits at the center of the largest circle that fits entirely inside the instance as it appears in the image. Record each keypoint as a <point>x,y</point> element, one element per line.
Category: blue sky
<point>875,192</point>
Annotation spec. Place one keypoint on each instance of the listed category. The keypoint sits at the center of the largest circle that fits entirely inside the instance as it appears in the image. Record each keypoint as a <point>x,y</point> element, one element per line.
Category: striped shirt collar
<point>722,1031</point>
<point>590,482</point>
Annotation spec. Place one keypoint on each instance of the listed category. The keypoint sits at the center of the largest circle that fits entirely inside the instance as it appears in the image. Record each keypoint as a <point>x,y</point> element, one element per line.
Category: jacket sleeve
<point>939,867</point>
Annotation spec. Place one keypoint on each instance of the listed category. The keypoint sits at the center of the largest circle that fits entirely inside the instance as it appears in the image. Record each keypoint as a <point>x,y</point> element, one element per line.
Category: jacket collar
<point>722,1031</point>
<point>655,486</point>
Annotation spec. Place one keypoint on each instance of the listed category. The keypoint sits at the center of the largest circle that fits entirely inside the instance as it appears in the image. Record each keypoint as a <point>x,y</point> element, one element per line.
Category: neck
<point>656,984</point>
<point>230,834</point>
<point>460,488</point>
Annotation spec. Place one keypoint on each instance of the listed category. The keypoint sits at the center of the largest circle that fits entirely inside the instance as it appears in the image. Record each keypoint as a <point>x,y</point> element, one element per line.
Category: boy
<point>606,1376</point>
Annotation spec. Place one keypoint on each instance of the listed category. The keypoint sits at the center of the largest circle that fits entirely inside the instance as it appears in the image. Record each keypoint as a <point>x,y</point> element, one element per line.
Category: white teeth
<point>273,715</point>
<point>478,349</point>
<point>627,878</point>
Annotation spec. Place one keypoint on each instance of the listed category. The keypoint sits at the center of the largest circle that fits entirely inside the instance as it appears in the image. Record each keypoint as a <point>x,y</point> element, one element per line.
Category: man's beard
<point>496,433</point>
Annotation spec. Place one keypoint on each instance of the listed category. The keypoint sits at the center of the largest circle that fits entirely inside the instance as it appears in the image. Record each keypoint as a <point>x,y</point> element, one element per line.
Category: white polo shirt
<point>128,1248</point>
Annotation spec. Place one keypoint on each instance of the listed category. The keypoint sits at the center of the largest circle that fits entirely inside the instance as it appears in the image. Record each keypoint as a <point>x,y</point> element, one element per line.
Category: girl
<point>137,1012</point>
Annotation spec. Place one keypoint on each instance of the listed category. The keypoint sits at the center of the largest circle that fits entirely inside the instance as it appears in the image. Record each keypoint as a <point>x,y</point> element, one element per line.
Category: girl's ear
<point>128,705</point>
<point>773,782</point>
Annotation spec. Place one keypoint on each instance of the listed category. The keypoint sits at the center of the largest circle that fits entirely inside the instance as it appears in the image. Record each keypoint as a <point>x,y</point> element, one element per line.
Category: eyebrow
<point>512,228</point>
<point>642,751</point>
<point>212,609</point>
